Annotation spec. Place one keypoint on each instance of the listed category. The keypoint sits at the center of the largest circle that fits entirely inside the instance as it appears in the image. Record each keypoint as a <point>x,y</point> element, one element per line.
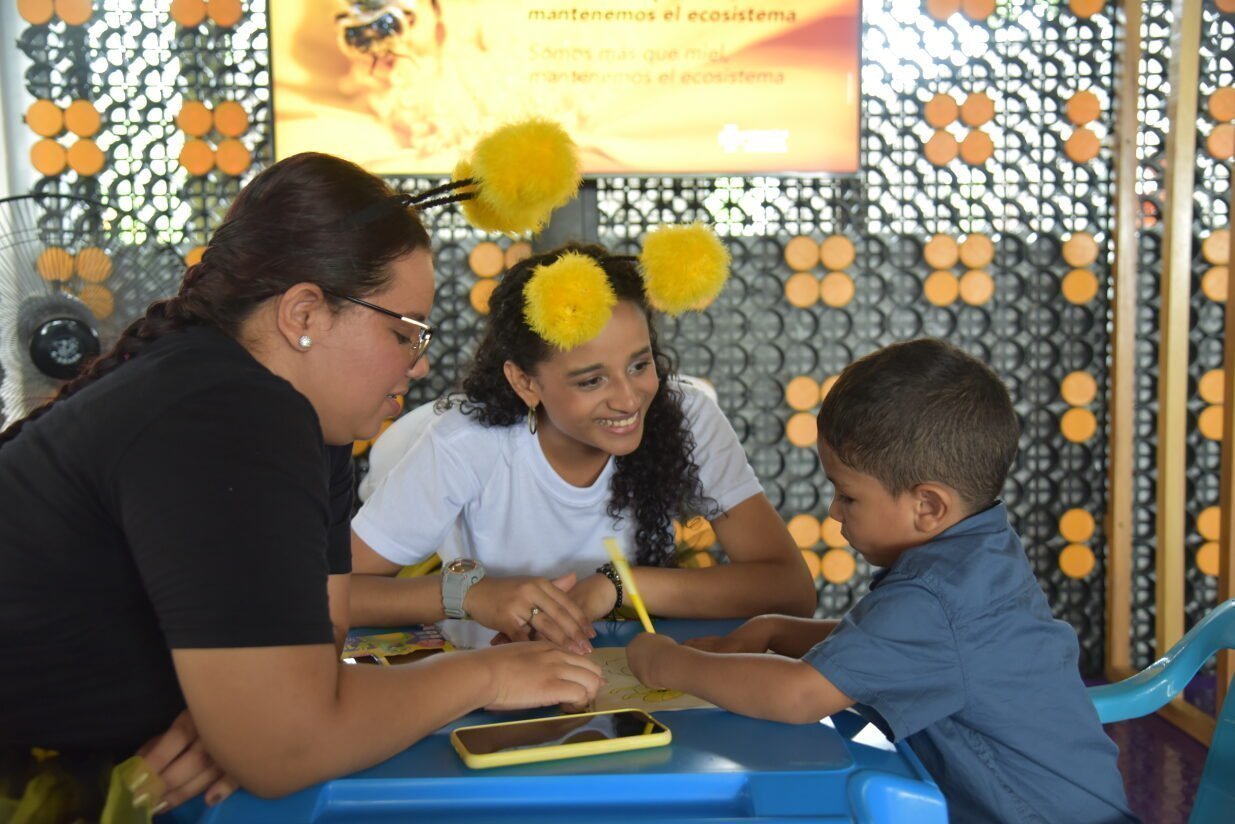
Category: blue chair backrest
<point>1150,690</point>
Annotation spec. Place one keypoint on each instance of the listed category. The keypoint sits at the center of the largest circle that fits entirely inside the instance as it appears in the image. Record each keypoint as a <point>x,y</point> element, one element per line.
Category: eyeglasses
<point>424,332</point>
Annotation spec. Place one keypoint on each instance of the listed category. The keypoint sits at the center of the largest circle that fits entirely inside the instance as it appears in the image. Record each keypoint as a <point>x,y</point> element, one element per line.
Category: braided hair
<point>655,482</point>
<point>311,218</point>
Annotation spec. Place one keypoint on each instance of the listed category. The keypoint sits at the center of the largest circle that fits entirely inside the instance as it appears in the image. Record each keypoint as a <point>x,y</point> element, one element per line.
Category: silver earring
<point>531,419</point>
<point>305,341</point>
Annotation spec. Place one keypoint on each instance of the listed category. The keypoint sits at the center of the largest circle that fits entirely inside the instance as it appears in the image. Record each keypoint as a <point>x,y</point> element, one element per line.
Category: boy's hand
<point>753,636</point>
<point>647,654</point>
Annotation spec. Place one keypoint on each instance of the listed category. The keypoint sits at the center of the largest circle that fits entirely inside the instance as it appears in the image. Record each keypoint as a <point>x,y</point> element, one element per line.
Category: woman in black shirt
<point>174,526</point>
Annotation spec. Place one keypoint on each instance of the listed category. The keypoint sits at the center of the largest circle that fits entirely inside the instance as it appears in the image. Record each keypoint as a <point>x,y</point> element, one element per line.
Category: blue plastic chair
<point>1152,688</point>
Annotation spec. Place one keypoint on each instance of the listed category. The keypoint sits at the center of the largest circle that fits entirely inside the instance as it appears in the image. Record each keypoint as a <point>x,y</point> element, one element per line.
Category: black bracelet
<point>610,572</point>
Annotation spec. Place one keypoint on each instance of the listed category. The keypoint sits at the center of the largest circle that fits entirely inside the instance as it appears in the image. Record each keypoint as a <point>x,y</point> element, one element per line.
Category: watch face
<point>461,565</point>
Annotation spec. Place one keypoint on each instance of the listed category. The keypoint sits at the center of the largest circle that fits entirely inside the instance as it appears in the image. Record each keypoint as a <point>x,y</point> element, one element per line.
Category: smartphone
<point>562,736</point>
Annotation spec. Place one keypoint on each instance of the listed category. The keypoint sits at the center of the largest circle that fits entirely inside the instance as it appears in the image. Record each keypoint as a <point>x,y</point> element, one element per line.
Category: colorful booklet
<point>384,644</point>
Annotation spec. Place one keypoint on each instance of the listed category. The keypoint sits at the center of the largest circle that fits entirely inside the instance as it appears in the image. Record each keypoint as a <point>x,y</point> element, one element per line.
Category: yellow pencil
<point>628,582</point>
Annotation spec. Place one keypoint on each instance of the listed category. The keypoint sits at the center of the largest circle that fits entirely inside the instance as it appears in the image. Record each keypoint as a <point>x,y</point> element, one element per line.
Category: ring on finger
<point>535,612</point>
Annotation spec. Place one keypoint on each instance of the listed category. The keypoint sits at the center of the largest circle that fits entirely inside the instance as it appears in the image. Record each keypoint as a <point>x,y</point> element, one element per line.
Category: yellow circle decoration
<point>481,292</point>
<point>830,533</point>
<point>976,287</point>
<point>1215,283</point>
<point>941,288</point>
<point>98,299</point>
<point>802,290</point>
<point>801,253</point>
<point>54,264</point>
<point>1209,523</point>
<point>1076,526</point>
<point>802,393</point>
<point>1078,425</point>
<point>837,566</point>
<point>1211,385</point>
<point>1080,286</point>
<point>1207,558</point>
<point>1079,388</point>
<point>1076,560</point>
<point>812,563</point>
<point>836,289</point>
<point>802,430</point>
<point>93,264</point>
<point>1210,422</point>
<point>805,530</point>
<point>486,259</point>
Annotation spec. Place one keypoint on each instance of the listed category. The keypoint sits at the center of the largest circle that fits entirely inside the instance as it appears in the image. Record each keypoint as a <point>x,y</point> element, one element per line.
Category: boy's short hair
<point>921,411</point>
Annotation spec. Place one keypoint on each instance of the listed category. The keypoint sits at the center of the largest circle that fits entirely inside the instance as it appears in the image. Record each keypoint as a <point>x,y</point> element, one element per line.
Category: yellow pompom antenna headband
<point>568,302</point>
<point>515,178</point>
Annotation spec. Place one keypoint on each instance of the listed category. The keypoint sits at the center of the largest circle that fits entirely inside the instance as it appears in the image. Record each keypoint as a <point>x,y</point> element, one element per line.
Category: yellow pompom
<point>476,211</point>
<point>524,171</point>
<point>684,267</point>
<point>569,301</point>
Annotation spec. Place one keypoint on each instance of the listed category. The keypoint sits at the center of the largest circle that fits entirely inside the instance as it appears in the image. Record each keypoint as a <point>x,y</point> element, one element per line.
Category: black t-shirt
<point>186,500</point>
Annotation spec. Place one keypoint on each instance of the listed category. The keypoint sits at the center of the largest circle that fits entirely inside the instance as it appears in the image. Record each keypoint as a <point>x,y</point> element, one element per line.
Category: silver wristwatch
<point>457,578</point>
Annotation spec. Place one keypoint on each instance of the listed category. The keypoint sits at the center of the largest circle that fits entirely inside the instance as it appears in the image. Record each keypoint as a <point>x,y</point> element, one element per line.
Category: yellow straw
<point>628,582</point>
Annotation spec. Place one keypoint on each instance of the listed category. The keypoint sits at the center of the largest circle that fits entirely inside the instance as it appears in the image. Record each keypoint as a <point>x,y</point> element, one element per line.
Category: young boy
<point>954,648</point>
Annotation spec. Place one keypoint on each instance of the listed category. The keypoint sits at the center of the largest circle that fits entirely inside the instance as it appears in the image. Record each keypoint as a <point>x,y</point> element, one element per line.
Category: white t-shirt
<point>446,483</point>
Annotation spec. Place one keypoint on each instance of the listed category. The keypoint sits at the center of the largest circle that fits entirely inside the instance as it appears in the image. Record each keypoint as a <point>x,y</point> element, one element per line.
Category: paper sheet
<point>622,690</point>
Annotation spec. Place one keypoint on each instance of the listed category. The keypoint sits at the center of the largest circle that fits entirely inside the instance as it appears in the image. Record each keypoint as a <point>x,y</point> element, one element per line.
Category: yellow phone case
<point>551,752</point>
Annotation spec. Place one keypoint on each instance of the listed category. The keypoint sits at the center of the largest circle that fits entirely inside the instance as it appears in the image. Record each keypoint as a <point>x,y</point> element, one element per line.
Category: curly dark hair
<point>660,478</point>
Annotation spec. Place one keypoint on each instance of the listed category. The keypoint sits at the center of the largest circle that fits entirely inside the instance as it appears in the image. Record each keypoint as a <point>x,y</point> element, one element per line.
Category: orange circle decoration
<point>197,157</point>
<point>941,110</point>
<point>836,252</point>
<point>837,566</point>
<point>45,118</point>
<point>1079,389</point>
<point>1207,558</point>
<point>188,13</point>
<point>1215,283</point>
<point>74,12</point>
<point>82,119</point>
<point>976,287</point>
<point>194,118</point>
<point>837,289</point>
<point>941,288</point>
<point>802,430</point>
<point>1086,8</point>
<point>1076,560</point>
<point>35,12</point>
<point>940,252</point>
<point>1080,249</point>
<point>805,530</point>
<point>977,10</point>
<point>801,253</point>
<point>1082,146</point>
<point>1211,386</point>
<point>1210,422</point>
<point>486,259</point>
<point>1225,6</point>
<point>1083,107</point>
<point>977,148</point>
<point>1221,104</point>
<point>1216,248</point>
<point>225,13</point>
<point>194,256</point>
<point>812,563</point>
<point>941,148</point>
<point>1076,526</point>
<point>230,118</point>
<point>802,290</point>
<point>1080,286</point>
<point>826,386</point>
<point>93,265</point>
<point>98,299</point>
<point>1078,425</point>
<point>233,157</point>
<point>54,264</point>
<point>977,109</point>
<point>1209,523</point>
<point>1221,142</point>
<point>977,252</point>
<point>481,291</point>
<point>48,157</point>
<point>86,158</point>
<point>941,10</point>
<point>830,532</point>
<point>802,393</point>
<point>519,250</point>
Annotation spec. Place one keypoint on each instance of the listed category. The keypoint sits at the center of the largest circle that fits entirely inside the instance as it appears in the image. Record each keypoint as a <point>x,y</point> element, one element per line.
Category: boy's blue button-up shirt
<point>955,651</point>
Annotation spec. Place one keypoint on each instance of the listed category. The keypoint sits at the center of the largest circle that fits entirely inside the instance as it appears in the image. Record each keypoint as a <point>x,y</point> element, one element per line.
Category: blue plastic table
<point>719,767</point>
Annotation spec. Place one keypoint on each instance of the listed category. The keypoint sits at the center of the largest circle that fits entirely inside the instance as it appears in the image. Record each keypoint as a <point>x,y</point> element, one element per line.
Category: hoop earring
<point>305,342</point>
<point>532,423</point>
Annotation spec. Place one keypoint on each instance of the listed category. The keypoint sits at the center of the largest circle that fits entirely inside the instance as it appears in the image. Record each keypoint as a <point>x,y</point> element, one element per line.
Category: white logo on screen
<point>753,141</point>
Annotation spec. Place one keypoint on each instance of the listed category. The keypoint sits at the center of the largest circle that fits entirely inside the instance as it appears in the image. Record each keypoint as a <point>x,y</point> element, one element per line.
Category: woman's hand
<point>519,606</point>
<point>538,674</point>
<point>178,758</point>
<point>595,596</point>
<point>753,636</point>
<point>647,654</point>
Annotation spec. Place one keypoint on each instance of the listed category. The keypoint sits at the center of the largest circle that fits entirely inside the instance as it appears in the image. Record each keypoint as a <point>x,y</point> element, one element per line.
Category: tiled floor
<point>1161,767</point>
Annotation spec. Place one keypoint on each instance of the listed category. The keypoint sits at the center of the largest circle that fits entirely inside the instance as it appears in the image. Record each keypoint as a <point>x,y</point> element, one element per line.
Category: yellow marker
<point>628,582</point>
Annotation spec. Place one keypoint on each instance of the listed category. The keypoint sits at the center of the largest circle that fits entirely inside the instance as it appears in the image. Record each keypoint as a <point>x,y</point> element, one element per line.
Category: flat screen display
<point>548,732</point>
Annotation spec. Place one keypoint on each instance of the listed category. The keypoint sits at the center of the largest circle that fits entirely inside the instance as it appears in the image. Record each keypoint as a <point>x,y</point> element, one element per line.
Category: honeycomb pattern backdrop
<point>982,213</point>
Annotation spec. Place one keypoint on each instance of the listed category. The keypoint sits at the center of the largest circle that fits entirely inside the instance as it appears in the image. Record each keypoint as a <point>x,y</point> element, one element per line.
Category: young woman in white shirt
<point>547,449</point>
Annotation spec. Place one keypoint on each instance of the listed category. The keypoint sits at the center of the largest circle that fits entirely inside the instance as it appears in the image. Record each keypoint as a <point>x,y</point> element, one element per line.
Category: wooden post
<point>1226,552</point>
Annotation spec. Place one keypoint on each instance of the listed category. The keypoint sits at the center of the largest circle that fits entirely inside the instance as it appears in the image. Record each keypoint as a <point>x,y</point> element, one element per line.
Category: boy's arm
<point>782,634</point>
<point>762,686</point>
